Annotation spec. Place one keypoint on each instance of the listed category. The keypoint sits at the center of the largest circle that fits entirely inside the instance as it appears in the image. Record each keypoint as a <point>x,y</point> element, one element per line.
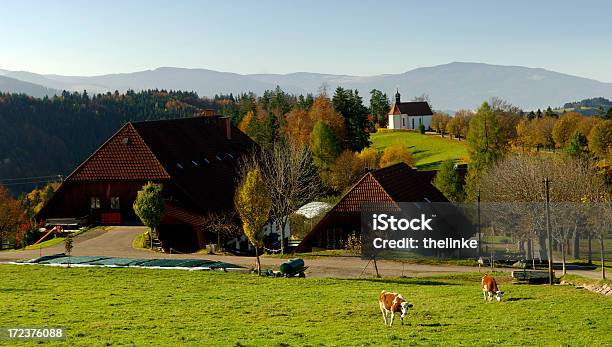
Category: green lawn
<point>168,307</point>
<point>428,150</point>
<point>56,240</point>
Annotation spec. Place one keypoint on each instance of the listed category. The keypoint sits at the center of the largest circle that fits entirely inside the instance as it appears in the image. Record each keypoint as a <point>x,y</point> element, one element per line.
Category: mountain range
<point>450,86</point>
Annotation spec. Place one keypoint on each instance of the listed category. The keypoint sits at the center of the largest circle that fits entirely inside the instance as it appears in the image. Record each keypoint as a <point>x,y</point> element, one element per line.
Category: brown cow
<point>394,303</point>
<point>489,288</point>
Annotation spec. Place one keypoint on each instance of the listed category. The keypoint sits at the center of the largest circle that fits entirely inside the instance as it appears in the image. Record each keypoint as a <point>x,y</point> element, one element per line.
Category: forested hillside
<point>50,136</point>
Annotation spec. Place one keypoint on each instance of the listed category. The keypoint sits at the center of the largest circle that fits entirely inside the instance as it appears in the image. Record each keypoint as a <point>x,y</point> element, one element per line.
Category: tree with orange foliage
<point>298,126</point>
<point>11,216</point>
<point>323,110</point>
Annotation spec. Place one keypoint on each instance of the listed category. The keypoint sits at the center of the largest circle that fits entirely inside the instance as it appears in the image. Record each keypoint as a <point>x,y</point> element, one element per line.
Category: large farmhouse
<point>396,183</point>
<point>409,115</point>
<point>193,158</point>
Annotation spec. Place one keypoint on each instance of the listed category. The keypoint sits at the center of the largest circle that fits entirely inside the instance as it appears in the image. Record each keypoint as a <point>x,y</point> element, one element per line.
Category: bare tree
<point>224,223</point>
<point>291,178</point>
<point>519,179</point>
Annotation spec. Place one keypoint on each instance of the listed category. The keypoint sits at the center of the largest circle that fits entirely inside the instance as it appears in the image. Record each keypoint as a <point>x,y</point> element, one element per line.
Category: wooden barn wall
<point>74,199</point>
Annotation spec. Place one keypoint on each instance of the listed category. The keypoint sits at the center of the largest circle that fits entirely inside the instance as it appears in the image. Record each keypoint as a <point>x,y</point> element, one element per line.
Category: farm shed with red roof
<point>396,183</point>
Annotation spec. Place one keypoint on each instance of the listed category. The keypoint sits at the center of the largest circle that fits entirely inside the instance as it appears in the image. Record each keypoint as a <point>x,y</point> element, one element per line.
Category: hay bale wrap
<point>291,266</point>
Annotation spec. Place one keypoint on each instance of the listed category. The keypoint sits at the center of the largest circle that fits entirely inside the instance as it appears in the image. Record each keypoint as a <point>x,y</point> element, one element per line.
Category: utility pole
<point>550,252</point>
<point>479,247</point>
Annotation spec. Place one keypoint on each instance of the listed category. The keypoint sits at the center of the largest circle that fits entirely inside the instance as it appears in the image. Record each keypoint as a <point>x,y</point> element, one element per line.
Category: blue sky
<point>265,36</point>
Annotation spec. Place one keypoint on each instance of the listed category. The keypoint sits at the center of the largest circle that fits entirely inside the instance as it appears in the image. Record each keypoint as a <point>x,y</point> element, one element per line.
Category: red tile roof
<point>194,154</point>
<point>396,183</point>
<point>125,156</point>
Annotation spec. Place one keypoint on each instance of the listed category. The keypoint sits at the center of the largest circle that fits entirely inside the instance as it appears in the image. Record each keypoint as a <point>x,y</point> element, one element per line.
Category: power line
<point>29,182</point>
<point>29,178</point>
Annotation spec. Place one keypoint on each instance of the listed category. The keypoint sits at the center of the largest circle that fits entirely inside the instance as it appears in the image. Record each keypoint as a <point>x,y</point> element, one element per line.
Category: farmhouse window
<point>114,203</point>
<point>95,202</point>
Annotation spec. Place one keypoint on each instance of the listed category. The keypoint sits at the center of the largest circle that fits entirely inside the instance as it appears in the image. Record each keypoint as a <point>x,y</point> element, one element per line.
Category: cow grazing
<point>489,288</point>
<point>394,303</point>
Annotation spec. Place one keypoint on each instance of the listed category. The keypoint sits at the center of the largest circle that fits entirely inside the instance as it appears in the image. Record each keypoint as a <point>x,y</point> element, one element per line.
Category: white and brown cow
<point>489,288</point>
<point>394,303</point>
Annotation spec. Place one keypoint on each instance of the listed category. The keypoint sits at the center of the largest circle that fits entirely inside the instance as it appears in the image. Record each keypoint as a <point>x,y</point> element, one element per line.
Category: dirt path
<point>117,242</point>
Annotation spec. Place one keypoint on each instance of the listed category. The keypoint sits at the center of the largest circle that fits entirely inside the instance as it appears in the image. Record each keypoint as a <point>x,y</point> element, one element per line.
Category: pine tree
<point>379,107</point>
<point>356,122</point>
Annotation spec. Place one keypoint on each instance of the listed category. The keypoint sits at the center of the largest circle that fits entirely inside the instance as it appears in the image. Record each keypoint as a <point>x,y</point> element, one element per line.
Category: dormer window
<point>194,163</point>
<point>206,161</point>
<point>126,140</point>
<point>179,165</point>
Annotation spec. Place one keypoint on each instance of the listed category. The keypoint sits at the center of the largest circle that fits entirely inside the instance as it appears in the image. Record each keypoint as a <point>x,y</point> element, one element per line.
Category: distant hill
<point>13,85</point>
<point>451,86</point>
<point>588,107</point>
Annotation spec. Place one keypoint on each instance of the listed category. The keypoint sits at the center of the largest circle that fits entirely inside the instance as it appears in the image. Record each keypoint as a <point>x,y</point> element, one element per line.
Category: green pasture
<point>429,151</point>
<point>106,306</point>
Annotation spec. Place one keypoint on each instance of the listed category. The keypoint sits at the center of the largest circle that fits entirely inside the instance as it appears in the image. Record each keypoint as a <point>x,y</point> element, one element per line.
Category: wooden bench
<point>531,276</point>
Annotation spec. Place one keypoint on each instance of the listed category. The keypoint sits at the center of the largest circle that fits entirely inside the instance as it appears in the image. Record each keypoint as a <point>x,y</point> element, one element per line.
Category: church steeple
<point>397,96</point>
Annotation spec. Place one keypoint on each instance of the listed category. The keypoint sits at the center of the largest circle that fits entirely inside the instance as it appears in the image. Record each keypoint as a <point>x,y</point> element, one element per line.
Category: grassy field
<point>168,307</point>
<point>428,150</point>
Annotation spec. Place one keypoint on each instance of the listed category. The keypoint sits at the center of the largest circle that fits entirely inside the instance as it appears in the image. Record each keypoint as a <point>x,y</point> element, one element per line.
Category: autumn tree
<point>370,158</point>
<point>323,110</point>
<point>396,153</point>
<point>149,206</point>
<point>507,115</point>
<point>486,145</point>
<point>11,216</point>
<point>324,145</point>
<point>600,139</point>
<point>519,179</point>
<point>439,122</point>
<point>248,123</point>
<point>449,182</point>
<point>344,171</point>
<point>459,125</point>
<point>565,128</point>
<point>298,126</point>
<point>253,204</point>
<point>379,107</point>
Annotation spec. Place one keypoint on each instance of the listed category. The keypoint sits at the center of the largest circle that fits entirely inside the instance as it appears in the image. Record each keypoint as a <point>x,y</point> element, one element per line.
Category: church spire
<point>397,96</point>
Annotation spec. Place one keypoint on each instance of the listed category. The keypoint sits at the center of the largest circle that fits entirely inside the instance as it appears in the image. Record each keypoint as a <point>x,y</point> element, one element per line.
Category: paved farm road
<point>117,242</point>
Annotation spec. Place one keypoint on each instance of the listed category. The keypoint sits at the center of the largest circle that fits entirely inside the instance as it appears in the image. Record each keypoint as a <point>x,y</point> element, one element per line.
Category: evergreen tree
<point>379,107</point>
<point>323,145</point>
<point>578,145</point>
<point>356,122</point>
<point>449,182</point>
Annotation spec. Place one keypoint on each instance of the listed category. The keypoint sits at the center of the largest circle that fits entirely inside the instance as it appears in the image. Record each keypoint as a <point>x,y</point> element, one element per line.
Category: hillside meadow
<point>105,306</point>
<point>429,151</point>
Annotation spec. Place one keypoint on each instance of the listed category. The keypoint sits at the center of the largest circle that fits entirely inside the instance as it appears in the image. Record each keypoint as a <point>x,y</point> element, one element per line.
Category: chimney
<point>225,126</point>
